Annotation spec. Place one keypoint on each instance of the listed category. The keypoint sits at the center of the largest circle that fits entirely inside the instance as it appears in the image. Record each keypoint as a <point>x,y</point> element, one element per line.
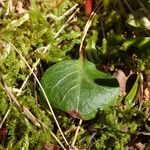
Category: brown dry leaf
<point>122,79</point>
<point>147,92</point>
<point>139,146</point>
<point>19,8</point>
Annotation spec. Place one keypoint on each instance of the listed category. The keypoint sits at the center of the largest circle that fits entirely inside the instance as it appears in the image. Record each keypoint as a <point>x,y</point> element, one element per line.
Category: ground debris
<point>19,8</point>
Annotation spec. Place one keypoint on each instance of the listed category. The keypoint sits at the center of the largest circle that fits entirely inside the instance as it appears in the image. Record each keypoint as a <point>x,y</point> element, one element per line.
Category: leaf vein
<point>67,93</point>
<point>62,79</point>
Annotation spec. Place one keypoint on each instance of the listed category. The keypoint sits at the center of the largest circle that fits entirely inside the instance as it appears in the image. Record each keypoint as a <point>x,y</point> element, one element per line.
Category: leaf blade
<point>78,88</point>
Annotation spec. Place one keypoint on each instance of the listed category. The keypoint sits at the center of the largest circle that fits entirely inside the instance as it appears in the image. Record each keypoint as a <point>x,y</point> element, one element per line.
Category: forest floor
<point>37,34</point>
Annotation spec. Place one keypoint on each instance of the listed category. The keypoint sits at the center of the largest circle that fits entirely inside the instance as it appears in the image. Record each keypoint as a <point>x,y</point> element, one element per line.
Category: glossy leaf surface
<point>79,88</point>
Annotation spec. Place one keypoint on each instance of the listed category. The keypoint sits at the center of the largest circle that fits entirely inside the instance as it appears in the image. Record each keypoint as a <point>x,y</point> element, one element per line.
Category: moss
<point>33,34</point>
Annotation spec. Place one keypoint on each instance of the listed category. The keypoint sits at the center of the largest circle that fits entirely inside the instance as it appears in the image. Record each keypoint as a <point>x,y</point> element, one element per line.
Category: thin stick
<point>35,90</point>
<point>128,5</point>
<point>143,133</point>
<point>86,28</point>
<point>54,136</point>
<point>7,113</point>
<point>76,134</point>
<point>48,103</point>
<point>25,81</point>
<point>34,66</point>
<point>66,23</point>
<point>68,12</point>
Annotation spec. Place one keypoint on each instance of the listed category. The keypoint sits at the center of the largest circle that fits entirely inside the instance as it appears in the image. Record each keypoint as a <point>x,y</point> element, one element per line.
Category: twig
<point>34,66</point>
<point>128,5</point>
<point>35,90</point>
<point>48,103</point>
<point>25,81</point>
<point>66,23</point>
<point>55,137</point>
<point>7,113</point>
<point>76,134</point>
<point>143,133</point>
<point>86,28</point>
<point>68,12</point>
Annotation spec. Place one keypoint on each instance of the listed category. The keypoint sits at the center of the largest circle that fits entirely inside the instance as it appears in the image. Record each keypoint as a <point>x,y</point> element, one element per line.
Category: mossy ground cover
<point>46,32</point>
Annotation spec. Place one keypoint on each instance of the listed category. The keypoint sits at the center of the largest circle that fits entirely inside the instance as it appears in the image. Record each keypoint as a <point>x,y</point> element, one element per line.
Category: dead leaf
<point>147,92</point>
<point>139,146</point>
<point>122,79</point>
<point>19,8</point>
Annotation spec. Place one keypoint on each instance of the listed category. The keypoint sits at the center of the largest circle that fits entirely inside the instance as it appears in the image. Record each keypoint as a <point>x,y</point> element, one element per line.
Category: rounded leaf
<point>79,88</point>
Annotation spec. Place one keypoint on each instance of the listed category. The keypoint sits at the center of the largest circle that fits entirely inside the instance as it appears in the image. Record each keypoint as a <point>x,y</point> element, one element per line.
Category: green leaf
<point>129,100</point>
<point>79,88</point>
<point>140,43</point>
